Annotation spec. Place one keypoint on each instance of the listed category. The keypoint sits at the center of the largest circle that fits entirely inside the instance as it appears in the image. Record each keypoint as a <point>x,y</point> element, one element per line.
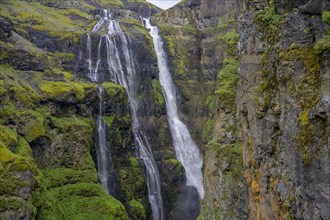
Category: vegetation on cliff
<point>46,118</point>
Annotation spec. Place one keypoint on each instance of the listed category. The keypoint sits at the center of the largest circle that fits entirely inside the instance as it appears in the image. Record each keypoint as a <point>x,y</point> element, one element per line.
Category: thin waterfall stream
<point>103,154</point>
<point>186,150</point>
<point>123,73</point>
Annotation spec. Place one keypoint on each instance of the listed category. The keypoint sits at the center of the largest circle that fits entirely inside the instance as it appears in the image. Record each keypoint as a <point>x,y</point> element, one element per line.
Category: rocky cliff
<point>283,108</point>
<point>266,68</point>
<point>47,154</point>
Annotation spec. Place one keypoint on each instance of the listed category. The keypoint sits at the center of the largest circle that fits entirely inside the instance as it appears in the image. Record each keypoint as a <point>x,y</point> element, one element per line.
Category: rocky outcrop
<point>281,88</point>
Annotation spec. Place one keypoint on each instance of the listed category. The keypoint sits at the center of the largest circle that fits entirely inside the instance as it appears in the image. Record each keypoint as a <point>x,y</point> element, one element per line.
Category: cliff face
<point>201,39</point>
<point>254,89</point>
<point>283,110</point>
<point>277,52</point>
<point>47,145</point>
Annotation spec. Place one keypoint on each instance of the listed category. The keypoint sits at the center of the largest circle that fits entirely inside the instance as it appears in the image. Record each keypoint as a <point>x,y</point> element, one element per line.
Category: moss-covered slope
<point>47,145</point>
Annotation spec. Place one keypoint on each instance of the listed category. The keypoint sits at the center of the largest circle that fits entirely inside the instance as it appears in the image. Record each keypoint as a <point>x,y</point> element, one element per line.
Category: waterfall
<point>122,71</point>
<point>103,154</point>
<point>186,150</point>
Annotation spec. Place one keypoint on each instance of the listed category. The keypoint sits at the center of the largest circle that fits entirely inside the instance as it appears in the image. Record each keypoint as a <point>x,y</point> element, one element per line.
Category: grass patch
<point>228,79</point>
<point>157,92</point>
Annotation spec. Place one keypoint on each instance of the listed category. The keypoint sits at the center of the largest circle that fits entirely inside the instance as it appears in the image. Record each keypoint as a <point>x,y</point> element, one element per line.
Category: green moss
<point>8,136</point>
<point>65,57</point>
<point>23,148</point>
<point>306,95</point>
<point>167,29</point>
<point>326,17</point>
<point>79,201</point>
<point>112,3</point>
<point>131,179</point>
<point>10,203</point>
<point>231,37</point>
<point>211,103</point>
<point>108,120</point>
<point>33,129</point>
<point>304,118</point>
<point>189,29</point>
<point>111,88</point>
<point>268,23</point>
<point>3,55</point>
<point>61,176</point>
<point>2,88</point>
<point>223,25</point>
<point>59,89</point>
<point>307,157</point>
<point>238,148</point>
<point>170,42</point>
<point>323,44</point>
<point>61,23</point>
<point>65,123</point>
<point>21,164</point>
<point>228,79</point>
<point>5,154</point>
<point>157,92</point>
<point>208,130</point>
<point>179,65</point>
<point>136,210</point>
<point>25,93</point>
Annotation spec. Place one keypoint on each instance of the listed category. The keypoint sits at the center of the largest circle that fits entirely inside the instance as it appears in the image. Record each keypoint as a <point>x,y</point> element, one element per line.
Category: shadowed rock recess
<point>252,85</point>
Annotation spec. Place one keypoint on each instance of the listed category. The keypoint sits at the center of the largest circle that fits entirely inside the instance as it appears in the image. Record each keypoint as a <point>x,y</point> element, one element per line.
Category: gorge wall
<point>253,84</point>
<point>267,126</point>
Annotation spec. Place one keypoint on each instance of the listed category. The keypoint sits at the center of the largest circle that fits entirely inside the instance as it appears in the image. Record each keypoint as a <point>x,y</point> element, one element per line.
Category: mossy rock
<point>79,201</point>
<point>2,88</point>
<point>61,176</point>
<point>112,88</point>
<point>62,90</point>
<point>61,23</point>
<point>108,120</point>
<point>131,179</point>
<point>111,4</point>
<point>136,210</point>
<point>65,123</point>
<point>157,92</point>
<point>326,17</point>
<point>228,80</point>
<point>5,154</point>
<point>8,136</point>
<point>33,129</point>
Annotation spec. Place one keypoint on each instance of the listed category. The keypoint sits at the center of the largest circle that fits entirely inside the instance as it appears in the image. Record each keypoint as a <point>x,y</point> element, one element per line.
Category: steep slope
<point>47,117</point>
<point>283,109</point>
<point>270,98</point>
<point>201,38</point>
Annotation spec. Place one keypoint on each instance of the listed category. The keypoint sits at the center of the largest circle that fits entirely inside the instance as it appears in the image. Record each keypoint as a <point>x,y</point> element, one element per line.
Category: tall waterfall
<point>102,151</point>
<point>123,73</point>
<point>186,150</point>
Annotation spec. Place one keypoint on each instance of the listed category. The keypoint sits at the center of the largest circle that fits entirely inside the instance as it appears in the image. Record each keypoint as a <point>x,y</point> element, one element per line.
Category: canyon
<point>207,110</point>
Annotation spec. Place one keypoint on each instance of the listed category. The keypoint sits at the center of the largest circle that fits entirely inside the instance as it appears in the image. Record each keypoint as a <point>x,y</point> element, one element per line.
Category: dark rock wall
<point>201,38</point>
<point>282,88</point>
<point>278,114</point>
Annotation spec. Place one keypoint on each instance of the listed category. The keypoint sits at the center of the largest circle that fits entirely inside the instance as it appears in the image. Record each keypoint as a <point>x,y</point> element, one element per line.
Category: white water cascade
<point>103,154</point>
<point>123,73</point>
<point>186,150</point>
